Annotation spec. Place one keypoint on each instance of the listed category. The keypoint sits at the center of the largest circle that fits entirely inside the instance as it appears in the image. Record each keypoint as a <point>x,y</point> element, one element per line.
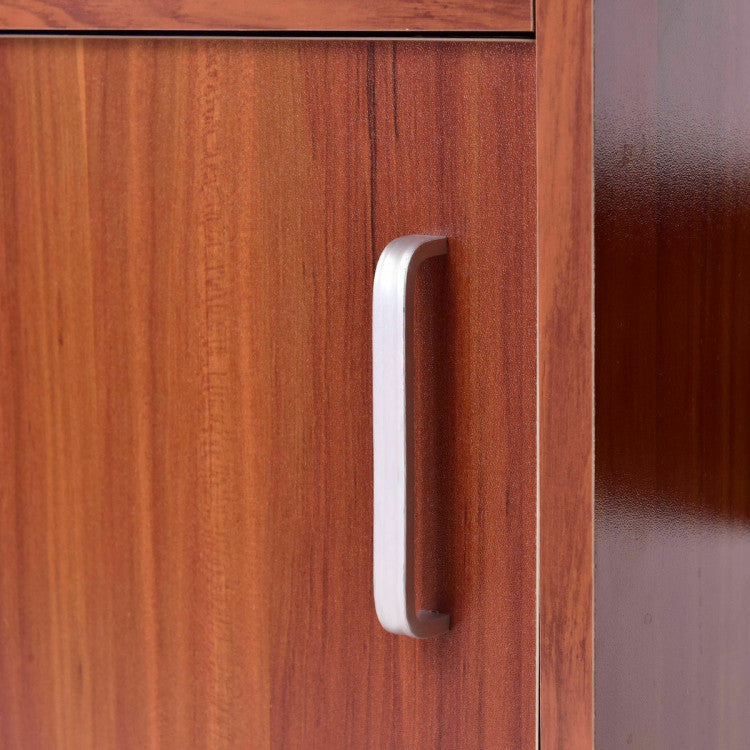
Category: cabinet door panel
<point>188,242</point>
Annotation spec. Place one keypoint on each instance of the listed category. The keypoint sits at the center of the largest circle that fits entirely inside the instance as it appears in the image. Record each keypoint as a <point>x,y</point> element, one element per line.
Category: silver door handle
<point>393,443</point>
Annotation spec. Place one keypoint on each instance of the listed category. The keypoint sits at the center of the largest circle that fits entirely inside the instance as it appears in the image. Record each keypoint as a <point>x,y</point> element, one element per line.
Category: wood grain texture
<point>566,450</point>
<point>285,15</point>
<point>188,244</point>
<point>672,374</point>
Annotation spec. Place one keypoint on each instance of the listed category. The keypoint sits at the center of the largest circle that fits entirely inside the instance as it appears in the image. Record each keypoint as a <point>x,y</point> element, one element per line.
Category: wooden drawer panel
<point>279,15</point>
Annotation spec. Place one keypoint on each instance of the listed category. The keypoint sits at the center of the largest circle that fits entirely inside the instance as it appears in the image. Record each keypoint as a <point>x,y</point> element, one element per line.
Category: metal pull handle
<point>392,397</point>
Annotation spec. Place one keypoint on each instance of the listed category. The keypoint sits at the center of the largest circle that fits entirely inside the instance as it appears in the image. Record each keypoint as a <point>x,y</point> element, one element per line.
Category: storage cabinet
<point>188,240</point>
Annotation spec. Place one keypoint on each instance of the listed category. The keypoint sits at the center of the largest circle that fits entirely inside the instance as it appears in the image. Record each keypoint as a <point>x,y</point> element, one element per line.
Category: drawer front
<point>432,16</point>
<point>188,246</point>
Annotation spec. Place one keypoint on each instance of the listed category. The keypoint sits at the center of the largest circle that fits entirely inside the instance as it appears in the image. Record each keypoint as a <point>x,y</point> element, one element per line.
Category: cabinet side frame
<point>566,372</point>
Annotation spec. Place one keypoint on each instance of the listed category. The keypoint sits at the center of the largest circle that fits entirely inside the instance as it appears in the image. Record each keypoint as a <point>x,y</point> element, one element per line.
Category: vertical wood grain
<point>188,244</point>
<point>566,358</point>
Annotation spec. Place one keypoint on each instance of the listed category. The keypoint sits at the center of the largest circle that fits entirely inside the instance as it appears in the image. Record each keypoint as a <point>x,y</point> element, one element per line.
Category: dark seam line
<point>240,34</point>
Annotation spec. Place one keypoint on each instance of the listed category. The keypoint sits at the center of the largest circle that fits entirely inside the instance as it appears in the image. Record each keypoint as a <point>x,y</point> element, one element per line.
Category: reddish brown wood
<point>287,15</point>
<point>565,206</point>
<point>672,374</point>
<point>187,247</point>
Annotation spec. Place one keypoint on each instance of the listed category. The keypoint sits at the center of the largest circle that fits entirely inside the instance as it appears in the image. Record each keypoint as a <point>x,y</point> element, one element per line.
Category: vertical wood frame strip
<point>566,348</point>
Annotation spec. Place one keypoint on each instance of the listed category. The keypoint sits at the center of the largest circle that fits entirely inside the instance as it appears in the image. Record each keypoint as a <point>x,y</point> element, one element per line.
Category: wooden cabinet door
<point>188,240</point>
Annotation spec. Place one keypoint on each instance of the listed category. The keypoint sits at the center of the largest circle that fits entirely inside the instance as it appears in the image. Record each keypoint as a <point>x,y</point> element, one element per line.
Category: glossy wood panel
<point>290,15</point>
<point>188,243</point>
<point>566,449</point>
<point>672,374</point>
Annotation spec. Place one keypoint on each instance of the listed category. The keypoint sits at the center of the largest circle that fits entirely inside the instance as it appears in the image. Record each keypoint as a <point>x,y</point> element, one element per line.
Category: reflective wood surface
<point>672,374</point>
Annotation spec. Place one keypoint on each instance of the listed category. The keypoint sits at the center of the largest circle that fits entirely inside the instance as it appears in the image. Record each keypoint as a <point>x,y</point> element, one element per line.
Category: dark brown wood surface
<point>289,15</point>
<point>565,105</point>
<point>672,374</point>
<point>188,239</point>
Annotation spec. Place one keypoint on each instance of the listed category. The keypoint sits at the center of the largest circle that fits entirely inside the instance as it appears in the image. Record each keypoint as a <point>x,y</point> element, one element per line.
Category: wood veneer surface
<point>289,15</point>
<point>187,243</point>
<point>672,374</point>
<point>566,359</point>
